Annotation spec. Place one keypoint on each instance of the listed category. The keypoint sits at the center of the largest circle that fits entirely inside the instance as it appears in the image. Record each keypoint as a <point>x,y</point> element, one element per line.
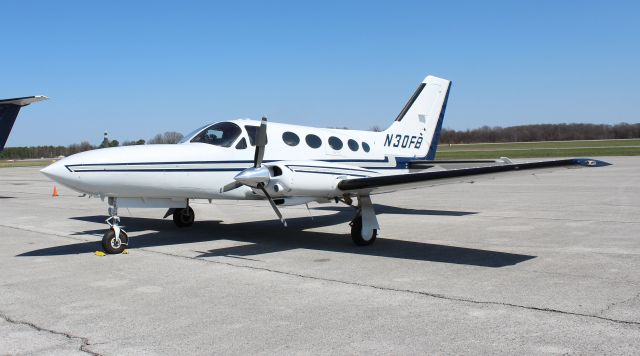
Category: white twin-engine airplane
<point>284,164</point>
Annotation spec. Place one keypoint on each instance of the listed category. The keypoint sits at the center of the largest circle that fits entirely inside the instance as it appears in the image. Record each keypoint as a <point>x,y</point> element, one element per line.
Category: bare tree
<point>167,137</point>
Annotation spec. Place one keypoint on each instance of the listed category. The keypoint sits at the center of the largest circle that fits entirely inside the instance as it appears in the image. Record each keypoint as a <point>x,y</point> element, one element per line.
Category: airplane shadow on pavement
<point>270,236</point>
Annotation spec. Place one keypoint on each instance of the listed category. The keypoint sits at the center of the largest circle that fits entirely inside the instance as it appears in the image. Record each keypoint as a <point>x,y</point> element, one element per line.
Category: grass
<point>540,149</point>
<point>29,163</point>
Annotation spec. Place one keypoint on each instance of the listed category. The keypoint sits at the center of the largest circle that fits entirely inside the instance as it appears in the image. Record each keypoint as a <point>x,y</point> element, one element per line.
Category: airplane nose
<point>56,172</point>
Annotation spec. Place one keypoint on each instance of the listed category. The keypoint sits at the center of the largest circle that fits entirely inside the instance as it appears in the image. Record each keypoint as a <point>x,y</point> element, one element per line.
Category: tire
<point>184,217</point>
<point>109,244</point>
<point>356,233</point>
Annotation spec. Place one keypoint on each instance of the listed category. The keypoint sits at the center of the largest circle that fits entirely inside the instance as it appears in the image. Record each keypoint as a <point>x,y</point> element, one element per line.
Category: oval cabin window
<point>335,143</point>
<point>313,141</point>
<point>290,138</point>
<point>365,147</point>
<point>353,145</point>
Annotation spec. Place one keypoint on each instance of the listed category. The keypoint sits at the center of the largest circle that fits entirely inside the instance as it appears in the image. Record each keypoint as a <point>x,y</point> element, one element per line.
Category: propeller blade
<point>261,141</point>
<point>230,186</point>
<point>273,204</point>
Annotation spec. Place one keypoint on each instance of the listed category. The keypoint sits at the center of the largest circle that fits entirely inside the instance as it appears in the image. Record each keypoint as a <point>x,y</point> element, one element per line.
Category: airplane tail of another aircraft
<point>416,130</point>
<point>9,109</point>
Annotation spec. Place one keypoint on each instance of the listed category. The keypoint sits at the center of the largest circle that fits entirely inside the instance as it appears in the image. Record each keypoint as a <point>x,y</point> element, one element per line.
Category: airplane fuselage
<point>198,170</point>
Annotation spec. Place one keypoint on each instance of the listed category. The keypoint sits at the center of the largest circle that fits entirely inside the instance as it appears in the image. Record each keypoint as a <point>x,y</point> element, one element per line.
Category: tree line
<point>541,132</point>
<point>523,133</point>
<point>57,151</point>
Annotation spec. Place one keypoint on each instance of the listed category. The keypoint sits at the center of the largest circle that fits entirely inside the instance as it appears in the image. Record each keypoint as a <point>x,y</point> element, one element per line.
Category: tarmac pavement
<point>536,264</point>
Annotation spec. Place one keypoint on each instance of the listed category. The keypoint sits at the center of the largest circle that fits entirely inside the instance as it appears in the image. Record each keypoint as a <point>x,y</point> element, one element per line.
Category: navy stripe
<point>164,170</point>
<point>400,163</point>
<point>151,163</point>
<point>334,173</point>
<point>206,170</point>
<point>346,169</point>
<point>393,167</point>
<point>385,160</point>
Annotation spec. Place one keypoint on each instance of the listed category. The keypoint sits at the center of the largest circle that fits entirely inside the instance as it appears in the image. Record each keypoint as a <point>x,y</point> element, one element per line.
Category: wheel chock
<point>100,253</point>
<point>125,252</point>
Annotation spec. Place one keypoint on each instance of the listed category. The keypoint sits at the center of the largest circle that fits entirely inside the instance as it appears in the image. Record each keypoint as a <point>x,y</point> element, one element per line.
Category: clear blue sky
<point>139,68</point>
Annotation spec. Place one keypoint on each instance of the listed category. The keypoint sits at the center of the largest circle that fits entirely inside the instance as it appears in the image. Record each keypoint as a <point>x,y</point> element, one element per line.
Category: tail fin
<point>416,130</point>
<point>9,109</point>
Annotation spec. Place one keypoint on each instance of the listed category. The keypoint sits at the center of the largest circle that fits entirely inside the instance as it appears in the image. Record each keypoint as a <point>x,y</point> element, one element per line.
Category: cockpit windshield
<point>220,134</point>
<point>188,136</point>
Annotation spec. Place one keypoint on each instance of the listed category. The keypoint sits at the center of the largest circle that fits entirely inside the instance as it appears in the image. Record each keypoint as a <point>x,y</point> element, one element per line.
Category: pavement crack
<point>84,342</point>
<point>400,290</point>
<point>390,289</point>
<point>613,304</point>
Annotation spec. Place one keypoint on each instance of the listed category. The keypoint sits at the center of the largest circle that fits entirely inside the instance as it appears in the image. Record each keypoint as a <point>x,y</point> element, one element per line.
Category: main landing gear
<point>364,226</point>
<point>115,239</point>
<point>184,217</point>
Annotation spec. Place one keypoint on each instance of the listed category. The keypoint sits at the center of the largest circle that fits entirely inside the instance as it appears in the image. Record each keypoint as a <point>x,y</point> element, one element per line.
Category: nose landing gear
<point>115,239</point>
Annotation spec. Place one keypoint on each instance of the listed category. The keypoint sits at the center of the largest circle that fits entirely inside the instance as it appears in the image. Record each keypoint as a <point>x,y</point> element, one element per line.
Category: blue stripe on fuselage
<point>401,163</point>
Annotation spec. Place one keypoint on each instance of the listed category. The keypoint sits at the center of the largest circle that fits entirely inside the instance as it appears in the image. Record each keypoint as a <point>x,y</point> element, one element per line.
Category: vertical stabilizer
<point>9,109</point>
<point>416,130</point>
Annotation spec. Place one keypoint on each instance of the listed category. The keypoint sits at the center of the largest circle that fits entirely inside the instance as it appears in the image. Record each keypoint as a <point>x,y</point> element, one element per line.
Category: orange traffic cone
<point>55,191</point>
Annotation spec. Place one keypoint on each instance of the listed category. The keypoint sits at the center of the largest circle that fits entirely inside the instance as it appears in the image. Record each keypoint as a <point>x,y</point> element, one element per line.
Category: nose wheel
<point>114,244</point>
<point>115,240</point>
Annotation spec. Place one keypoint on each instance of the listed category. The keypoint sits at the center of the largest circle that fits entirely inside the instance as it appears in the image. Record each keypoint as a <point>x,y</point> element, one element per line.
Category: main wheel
<point>356,233</point>
<point>111,245</point>
<point>184,217</point>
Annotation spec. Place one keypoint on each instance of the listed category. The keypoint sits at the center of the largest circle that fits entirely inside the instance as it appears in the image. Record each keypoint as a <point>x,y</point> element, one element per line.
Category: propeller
<point>273,204</point>
<point>256,176</point>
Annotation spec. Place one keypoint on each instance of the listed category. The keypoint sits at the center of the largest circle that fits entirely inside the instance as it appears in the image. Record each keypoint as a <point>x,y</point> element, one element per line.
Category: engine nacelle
<point>310,178</point>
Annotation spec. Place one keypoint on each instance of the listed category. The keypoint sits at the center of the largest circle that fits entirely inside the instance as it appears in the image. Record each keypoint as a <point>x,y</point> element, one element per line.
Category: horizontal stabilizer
<point>9,109</point>
<point>23,101</point>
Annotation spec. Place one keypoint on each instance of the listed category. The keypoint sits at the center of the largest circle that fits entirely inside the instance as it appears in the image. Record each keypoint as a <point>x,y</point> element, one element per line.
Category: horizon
<point>133,141</point>
<point>170,67</point>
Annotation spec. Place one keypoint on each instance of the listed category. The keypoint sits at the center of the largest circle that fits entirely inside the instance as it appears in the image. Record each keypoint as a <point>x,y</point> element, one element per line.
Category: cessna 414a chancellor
<point>284,164</point>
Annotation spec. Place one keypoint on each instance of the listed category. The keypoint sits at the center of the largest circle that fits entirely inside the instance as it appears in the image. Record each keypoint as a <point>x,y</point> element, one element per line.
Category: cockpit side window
<point>220,134</point>
<point>242,144</point>
<point>252,131</point>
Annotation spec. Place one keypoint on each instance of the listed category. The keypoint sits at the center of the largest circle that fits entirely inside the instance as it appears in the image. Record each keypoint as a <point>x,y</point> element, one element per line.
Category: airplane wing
<point>389,183</point>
